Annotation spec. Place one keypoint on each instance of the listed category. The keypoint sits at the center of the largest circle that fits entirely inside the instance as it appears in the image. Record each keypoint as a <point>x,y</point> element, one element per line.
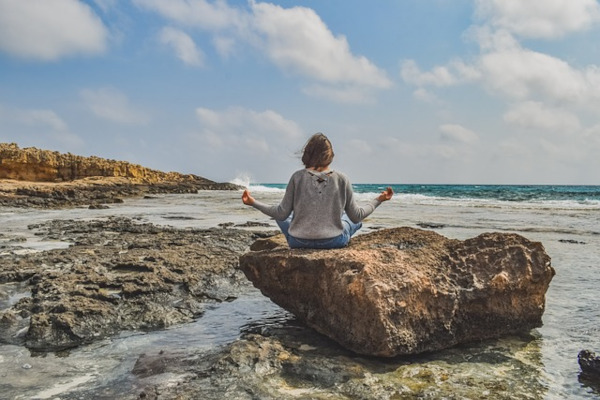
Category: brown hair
<point>317,152</point>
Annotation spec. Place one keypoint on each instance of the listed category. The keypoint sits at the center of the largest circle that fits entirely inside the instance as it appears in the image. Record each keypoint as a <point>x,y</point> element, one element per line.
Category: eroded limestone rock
<point>37,165</point>
<point>406,291</point>
<point>590,365</point>
<point>118,275</point>
<point>31,177</point>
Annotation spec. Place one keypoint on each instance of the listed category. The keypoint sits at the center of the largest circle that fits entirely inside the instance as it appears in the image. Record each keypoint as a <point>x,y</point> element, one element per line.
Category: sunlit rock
<point>407,291</point>
<point>31,177</point>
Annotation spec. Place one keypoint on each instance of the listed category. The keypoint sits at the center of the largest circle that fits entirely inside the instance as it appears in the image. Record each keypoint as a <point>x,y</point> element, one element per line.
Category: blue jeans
<point>337,242</point>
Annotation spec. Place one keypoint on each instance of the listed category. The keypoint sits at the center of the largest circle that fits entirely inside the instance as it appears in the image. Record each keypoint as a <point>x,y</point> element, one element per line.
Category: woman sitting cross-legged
<point>318,209</point>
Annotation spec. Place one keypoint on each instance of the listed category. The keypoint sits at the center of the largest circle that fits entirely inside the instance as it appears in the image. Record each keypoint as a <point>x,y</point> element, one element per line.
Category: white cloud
<point>241,128</point>
<point>349,95</point>
<point>34,117</point>
<point>214,16</point>
<point>236,140</point>
<point>37,126</point>
<point>454,73</point>
<point>225,45</point>
<point>114,106</point>
<point>183,45</point>
<point>516,72</point>
<point>547,89</point>
<point>425,96</point>
<point>448,153</point>
<point>50,29</point>
<point>47,118</point>
<point>535,115</point>
<point>539,18</point>
<point>458,133</point>
<point>106,5</point>
<point>521,73</point>
<point>438,76</point>
<point>295,39</point>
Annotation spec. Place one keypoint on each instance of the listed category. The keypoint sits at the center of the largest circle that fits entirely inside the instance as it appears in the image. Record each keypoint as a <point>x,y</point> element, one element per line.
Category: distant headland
<point>31,177</point>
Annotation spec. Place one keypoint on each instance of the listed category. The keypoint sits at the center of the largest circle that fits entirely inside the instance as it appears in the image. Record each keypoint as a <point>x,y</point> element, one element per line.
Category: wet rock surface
<point>407,291</point>
<point>291,361</point>
<point>272,359</point>
<point>95,192</point>
<point>589,363</point>
<point>117,275</point>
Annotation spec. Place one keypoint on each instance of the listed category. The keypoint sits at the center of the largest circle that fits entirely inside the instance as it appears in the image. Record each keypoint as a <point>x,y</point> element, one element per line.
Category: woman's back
<point>318,204</point>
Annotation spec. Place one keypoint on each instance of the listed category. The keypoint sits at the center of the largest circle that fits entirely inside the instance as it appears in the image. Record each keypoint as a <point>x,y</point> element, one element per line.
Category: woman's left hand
<point>247,199</point>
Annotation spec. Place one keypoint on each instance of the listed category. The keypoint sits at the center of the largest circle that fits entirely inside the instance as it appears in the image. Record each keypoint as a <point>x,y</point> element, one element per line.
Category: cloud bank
<point>47,30</point>
<point>543,92</point>
<point>295,39</point>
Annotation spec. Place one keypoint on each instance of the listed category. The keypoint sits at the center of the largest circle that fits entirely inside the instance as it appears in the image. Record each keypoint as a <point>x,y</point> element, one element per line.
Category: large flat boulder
<point>406,291</point>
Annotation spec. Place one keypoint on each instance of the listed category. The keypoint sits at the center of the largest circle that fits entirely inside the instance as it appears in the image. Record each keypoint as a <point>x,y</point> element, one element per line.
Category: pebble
<point>26,366</point>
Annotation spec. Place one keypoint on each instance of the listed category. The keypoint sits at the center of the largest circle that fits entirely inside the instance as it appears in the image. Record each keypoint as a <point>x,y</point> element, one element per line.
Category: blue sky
<point>411,91</point>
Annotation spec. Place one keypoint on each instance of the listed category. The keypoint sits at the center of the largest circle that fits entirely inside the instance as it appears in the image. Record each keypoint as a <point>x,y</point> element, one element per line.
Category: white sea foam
<point>268,189</point>
<point>418,199</point>
<point>242,179</point>
<point>246,180</point>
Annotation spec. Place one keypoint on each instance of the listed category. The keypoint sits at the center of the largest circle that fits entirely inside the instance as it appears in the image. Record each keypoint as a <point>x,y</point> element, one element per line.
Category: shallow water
<point>106,366</point>
<point>571,236</point>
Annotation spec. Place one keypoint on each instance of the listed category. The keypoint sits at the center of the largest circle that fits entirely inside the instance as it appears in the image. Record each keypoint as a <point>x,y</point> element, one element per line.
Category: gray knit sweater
<point>318,200</point>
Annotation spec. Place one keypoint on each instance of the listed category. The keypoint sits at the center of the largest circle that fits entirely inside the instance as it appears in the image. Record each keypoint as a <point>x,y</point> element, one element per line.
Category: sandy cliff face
<point>35,165</point>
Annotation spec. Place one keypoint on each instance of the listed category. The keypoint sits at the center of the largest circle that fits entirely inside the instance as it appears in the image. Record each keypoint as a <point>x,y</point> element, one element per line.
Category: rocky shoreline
<point>121,275</point>
<point>117,275</point>
<point>31,177</point>
<point>92,192</point>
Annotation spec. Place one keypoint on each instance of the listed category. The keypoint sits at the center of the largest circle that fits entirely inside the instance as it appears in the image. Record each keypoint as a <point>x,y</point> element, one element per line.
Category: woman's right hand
<point>386,194</point>
<point>247,198</point>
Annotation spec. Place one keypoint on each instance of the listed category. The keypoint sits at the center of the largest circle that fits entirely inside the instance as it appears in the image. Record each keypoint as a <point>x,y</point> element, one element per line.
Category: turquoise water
<point>514,193</point>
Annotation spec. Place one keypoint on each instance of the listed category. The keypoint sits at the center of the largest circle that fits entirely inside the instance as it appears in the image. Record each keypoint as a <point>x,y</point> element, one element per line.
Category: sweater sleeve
<point>355,212</point>
<point>283,210</point>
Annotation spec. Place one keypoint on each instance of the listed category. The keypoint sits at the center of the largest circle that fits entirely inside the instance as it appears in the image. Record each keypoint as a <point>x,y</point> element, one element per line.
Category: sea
<point>564,218</point>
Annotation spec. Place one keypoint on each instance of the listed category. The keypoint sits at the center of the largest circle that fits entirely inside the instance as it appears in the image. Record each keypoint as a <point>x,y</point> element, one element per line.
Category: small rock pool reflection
<point>105,367</point>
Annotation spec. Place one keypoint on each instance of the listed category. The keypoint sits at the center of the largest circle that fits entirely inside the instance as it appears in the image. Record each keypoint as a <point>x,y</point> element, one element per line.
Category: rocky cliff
<point>35,165</point>
<point>407,291</point>
<point>32,177</point>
